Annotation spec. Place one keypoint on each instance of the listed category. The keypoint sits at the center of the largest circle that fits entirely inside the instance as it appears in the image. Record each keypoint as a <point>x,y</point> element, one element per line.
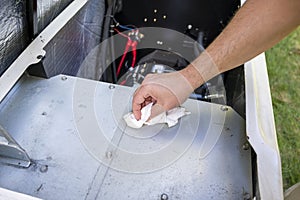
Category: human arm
<point>257,26</point>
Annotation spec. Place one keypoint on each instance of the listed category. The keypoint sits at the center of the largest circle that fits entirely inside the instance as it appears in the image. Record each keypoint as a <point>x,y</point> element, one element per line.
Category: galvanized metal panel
<point>8,194</point>
<point>61,123</point>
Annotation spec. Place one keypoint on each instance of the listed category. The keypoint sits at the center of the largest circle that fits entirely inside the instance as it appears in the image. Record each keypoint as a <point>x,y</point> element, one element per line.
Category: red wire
<point>123,57</point>
<point>125,51</point>
<point>133,53</point>
<point>123,82</point>
<point>129,44</point>
<point>121,33</point>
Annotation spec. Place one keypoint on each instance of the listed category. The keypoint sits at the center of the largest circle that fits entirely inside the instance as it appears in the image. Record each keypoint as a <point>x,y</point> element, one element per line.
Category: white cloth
<point>170,117</point>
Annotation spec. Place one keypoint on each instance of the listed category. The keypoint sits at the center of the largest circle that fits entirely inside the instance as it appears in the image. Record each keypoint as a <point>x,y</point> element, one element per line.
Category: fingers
<point>160,90</point>
<point>140,100</point>
<point>137,106</point>
<point>156,110</point>
<point>152,90</point>
<point>147,101</point>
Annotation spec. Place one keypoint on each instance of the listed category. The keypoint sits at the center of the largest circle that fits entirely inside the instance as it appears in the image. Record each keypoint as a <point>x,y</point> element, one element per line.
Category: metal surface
<point>11,152</point>
<point>261,129</point>
<point>34,52</point>
<point>47,117</point>
<point>7,194</point>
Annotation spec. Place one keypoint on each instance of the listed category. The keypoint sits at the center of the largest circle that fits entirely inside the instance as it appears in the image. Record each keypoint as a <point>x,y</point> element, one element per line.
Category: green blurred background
<point>283,61</point>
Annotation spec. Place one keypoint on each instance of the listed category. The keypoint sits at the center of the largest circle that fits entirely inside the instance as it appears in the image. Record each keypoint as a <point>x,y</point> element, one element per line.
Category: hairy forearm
<point>257,26</point>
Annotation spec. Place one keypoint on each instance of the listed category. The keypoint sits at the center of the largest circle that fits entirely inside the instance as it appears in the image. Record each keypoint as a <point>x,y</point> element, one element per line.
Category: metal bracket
<point>11,152</point>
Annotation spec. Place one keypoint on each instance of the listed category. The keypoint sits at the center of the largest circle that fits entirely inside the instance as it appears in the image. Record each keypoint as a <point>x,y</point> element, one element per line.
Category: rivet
<point>108,154</point>
<point>224,108</point>
<point>64,78</point>
<point>164,16</point>
<point>246,146</point>
<point>44,168</point>
<point>145,19</point>
<point>154,19</point>
<point>111,87</point>
<point>164,196</point>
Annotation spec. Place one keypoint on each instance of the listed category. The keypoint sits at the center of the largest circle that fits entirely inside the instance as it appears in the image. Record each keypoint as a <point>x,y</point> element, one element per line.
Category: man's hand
<point>166,91</point>
<point>251,31</point>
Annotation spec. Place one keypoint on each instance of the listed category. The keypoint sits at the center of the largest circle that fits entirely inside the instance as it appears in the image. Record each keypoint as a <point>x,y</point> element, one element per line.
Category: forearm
<point>257,26</point>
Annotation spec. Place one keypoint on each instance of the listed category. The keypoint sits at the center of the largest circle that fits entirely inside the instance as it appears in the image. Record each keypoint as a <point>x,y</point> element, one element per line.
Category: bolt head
<point>224,108</point>
<point>246,146</point>
<point>108,154</point>
<point>164,196</point>
<point>64,78</point>
<point>111,87</point>
<point>44,168</point>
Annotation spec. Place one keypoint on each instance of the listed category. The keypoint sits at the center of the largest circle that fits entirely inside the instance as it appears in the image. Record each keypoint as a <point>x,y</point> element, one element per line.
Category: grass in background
<point>283,62</point>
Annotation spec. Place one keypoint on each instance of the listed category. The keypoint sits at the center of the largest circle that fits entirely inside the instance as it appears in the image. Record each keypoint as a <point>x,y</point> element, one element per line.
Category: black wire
<point>113,65</point>
<point>104,46</point>
<point>117,24</point>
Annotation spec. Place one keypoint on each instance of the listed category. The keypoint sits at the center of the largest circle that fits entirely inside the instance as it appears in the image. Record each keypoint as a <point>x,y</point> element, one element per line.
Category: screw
<point>224,108</point>
<point>111,87</point>
<point>246,146</point>
<point>64,78</point>
<point>164,196</point>
<point>108,154</point>
<point>44,168</point>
